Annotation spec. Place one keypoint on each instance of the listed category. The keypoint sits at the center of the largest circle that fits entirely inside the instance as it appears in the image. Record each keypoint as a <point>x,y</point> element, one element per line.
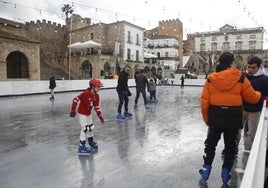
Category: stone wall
<point>53,38</point>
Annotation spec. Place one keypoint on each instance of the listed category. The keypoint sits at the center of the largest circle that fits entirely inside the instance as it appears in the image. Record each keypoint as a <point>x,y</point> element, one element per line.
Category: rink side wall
<point>16,88</point>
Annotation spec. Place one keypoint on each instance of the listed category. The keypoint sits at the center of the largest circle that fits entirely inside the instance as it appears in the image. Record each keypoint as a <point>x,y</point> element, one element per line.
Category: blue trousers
<point>143,92</point>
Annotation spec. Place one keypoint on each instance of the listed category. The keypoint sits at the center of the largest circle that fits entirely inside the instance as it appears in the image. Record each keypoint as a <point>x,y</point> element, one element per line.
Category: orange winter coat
<point>222,97</point>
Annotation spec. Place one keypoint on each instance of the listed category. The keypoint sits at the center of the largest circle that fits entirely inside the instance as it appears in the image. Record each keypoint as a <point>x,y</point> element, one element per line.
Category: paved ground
<point>159,148</point>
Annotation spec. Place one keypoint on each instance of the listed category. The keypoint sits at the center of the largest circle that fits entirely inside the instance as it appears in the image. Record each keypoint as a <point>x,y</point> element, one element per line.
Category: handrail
<point>255,170</point>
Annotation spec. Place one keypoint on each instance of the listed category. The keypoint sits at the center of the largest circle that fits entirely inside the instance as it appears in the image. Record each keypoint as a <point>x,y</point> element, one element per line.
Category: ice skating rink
<point>160,148</point>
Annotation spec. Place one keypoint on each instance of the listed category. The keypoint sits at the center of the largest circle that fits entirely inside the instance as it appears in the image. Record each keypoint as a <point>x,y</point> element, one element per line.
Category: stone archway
<point>86,69</point>
<point>17,65</point>
<point>159,73</point>
<point>153,71</point>
<point>147,71</point>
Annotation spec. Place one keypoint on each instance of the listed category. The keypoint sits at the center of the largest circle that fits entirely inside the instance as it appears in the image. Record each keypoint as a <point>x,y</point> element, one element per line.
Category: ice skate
<point>225,175</point>
<point>127,114</point>
<point>147,107</point>
<point>119,117</point>
<point>83,150</point>
<point>205,172</point>
<point>92,144</point>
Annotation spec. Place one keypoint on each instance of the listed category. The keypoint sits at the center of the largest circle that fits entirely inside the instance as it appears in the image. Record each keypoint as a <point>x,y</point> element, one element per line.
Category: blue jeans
<point>143,92</point>
<point>123,97</point>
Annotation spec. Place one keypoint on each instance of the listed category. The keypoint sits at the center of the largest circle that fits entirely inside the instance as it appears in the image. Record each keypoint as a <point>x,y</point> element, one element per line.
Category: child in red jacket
<point>84,103</point>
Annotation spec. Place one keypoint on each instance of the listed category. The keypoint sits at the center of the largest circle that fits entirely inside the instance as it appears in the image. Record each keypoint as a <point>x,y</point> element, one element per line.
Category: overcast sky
<point>196,16</point>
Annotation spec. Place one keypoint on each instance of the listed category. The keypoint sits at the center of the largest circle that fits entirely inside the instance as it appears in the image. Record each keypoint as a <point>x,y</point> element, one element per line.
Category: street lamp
<point>70,48</point>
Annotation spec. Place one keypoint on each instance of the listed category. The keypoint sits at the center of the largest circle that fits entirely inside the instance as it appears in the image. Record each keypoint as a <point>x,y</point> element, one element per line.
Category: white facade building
<point>133,40</point>
<point>166,49</point>
<point>229,38</point>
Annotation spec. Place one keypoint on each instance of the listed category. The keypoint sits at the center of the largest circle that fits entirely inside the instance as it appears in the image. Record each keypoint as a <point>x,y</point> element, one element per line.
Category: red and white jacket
<point>86,101</point>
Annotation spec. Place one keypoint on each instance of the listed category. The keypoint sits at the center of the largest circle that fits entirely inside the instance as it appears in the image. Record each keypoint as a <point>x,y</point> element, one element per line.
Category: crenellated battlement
<point>45,24</point>
<point>170,21</point>
<point>190,35</point>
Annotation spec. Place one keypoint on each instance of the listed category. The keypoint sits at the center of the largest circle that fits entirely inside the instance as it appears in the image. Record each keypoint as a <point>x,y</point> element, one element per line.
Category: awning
<point>87,44</point>
<point>149,55</point>
<point>75,45</point>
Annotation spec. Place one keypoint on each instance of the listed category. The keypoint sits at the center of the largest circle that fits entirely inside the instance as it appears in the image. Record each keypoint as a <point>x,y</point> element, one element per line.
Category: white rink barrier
<point>254,175</point>
<point>16,88</point>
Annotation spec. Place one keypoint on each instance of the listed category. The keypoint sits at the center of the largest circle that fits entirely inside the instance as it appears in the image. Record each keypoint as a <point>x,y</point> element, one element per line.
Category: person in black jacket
<point>52,85</point>
<point>141,83</point>
<point>123,93</point>
<point>251,114</point>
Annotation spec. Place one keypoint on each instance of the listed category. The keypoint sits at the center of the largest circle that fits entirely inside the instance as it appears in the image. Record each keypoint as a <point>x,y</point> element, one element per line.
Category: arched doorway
<point>86,69</point>
<point>153,71</point>
<point>17,65</point>
<point>107,70</point>
<point>147,71</point>
<point>159,73</point>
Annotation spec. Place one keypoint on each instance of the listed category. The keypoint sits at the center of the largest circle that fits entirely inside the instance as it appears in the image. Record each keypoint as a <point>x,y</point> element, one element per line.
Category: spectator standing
<point>251,114</point>
<point>84,103</point>
<point>221,106</point>
<point>123,93</point>
<point>52,85</point>
<point>182,81</point>
<point>141,83</point>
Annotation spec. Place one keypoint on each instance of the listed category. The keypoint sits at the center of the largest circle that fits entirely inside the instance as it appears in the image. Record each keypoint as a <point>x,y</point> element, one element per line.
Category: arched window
<point>17,65</point>
<point>86,69</point>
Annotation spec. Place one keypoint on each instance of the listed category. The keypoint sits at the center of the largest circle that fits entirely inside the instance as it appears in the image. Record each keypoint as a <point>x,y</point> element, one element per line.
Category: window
<point>137,39</point>
<point>214,47</point>
<point>128,54</point>
<point>91,36</point>
<point>129,37</point>
<point>158,54</point>
<point>214,38</point>
<point>252,45</point>
<point>137,55</point>
<point>239,37</point>
<point>226,46</point>
<point>238,45</point>
<point>166,54</point>
<point>252,36</point>
<point>202,47</point>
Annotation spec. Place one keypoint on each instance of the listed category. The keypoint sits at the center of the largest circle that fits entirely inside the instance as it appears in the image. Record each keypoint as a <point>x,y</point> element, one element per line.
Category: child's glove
<point>73,114</point>
<point>129,93</point>
<point>101,119</point>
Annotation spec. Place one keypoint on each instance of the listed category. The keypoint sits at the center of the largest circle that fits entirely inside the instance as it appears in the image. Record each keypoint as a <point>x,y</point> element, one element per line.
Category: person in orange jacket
<point>222,107</point>
<point>84,103</point>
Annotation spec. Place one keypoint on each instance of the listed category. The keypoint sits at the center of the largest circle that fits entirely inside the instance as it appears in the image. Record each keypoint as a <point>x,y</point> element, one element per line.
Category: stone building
<point>19,54</point>
<point>171,28</point>
<point>121,44</point>
<point>43,45</point>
